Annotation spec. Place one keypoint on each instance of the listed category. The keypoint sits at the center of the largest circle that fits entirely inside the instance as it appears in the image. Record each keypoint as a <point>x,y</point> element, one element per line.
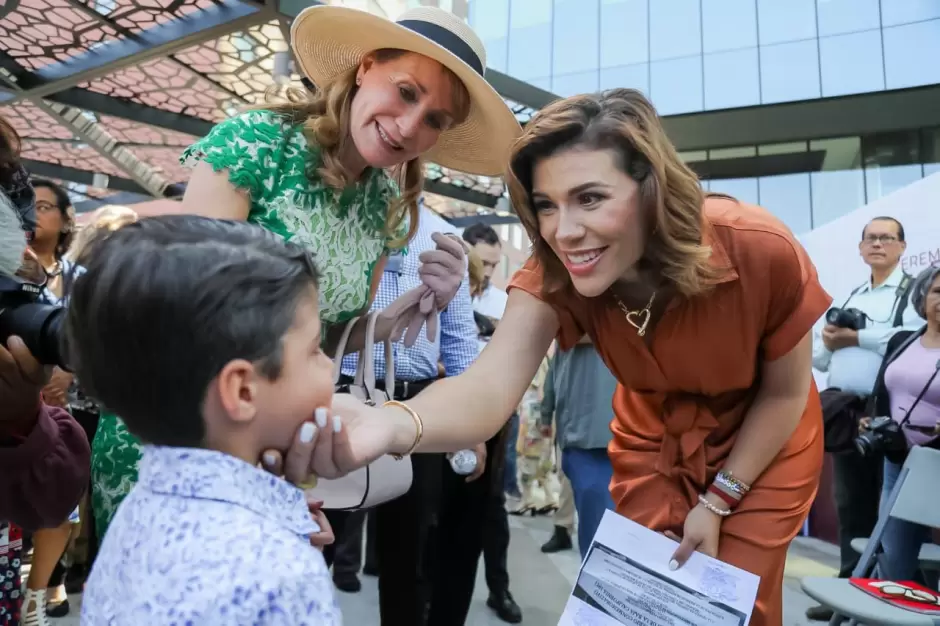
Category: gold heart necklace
<point>640,318</point>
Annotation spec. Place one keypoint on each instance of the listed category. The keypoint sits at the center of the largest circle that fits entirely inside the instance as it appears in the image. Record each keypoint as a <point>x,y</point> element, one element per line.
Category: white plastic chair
<point>913,499</point>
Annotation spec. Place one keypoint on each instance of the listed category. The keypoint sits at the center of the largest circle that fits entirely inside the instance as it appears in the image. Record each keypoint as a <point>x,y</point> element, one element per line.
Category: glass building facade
<point>697,56</point>
<point>700,55</point>
<point>809,183</point>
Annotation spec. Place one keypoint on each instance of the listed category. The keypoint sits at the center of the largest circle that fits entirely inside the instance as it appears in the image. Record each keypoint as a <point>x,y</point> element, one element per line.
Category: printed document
<point>625,579</point>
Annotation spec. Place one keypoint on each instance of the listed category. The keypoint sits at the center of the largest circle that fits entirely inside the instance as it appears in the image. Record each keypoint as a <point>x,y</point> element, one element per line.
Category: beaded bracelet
<point>711,507</point>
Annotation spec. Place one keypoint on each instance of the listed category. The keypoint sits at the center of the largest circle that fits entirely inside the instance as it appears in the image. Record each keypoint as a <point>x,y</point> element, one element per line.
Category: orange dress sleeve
<point>529,279</point>
<point>796,299</point>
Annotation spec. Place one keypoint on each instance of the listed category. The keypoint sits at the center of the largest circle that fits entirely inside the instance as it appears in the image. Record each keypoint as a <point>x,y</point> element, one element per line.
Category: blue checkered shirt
<point>456,343</point>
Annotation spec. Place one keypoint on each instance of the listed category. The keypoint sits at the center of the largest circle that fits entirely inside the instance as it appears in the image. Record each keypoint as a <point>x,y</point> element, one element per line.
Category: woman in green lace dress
<point>340,170</point>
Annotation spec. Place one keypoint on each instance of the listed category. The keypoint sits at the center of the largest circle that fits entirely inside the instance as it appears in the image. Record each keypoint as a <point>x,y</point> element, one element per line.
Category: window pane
<point>851,63</point>
<point>675,29</point>
<point>575,42</point>
<point>573,84</point>
<point>792,20</point>
<point>930,140</point>
<point>676,85</point>
<point>837,17</point>
<point>788,197</point>
<point>744,189</point>
<point>789,71</point>
<point>881,181</point>
<point>731,79</point>
<point>895,148</point>
<point>633,76</point>
<point>906,11</point>
<point>840,187</point>
<point>530,38</point>
<point>908,49</point>
<point>490,20</point>
<point>728,25</point>
<point>624,32</point>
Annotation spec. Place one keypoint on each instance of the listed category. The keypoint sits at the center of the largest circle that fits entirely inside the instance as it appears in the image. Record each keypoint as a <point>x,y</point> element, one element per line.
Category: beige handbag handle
<point>369,360</point>
<point>341,350</point>
<point>365,366</point>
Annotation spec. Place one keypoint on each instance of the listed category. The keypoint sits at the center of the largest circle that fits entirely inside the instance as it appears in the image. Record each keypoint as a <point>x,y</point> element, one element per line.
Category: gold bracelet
<point>711,507</point>
<point>419,427</point>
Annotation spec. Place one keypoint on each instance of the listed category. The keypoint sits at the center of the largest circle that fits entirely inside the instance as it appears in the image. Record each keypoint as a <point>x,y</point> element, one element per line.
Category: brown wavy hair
<point>624,121</point>
<point>10,145</point>
<point>325,116</point>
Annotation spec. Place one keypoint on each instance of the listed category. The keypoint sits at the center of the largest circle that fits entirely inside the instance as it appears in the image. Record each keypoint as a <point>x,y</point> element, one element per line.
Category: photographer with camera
<point>44,454</point>
<point>906,406</point>
<point>851,347</point>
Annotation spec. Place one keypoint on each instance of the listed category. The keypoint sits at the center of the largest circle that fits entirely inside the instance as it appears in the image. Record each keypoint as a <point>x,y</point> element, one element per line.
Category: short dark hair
<point>481,233</point>
<point>886,218</point>
<point>166,302</point>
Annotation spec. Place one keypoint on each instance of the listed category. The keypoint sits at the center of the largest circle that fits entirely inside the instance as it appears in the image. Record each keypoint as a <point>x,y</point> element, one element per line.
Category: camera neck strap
<point>930,380</point>
<point>900,298</point>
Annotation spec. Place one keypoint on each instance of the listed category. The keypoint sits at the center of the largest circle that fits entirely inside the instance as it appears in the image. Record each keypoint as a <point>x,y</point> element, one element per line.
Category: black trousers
<point>473,520</point>
<point>857,487</point>
<point>408,533</point>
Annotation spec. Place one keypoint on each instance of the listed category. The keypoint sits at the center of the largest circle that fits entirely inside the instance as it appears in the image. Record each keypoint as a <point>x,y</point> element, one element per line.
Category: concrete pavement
<point>541,583</point>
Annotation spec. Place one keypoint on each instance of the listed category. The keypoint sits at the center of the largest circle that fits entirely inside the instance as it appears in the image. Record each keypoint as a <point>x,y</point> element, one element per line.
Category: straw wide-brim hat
<point>330,40</point>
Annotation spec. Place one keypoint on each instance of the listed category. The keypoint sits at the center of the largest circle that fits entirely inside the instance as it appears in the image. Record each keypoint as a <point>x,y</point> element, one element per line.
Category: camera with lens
<point>883,436</point>
<point>853,319</point>
<point>41,326</point>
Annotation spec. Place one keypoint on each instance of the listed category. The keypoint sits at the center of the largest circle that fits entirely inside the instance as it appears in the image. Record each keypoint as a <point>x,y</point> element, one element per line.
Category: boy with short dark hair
<point>204,335</point>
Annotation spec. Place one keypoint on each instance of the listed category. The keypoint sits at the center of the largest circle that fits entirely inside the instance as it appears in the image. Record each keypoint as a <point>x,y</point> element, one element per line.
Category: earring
<point>358,80</point>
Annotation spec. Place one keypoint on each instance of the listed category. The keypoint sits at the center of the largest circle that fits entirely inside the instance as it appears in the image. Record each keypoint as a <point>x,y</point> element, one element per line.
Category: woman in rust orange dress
<point>701,306</point>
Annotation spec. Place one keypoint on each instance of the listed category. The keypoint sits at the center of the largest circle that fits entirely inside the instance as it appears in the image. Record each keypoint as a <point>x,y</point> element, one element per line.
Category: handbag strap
<point>369,371</point>
<point>365,368</point>
<point>341,350</point>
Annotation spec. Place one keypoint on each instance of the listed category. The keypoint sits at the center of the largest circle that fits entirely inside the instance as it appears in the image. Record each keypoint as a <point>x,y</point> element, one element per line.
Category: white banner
<point>834,246</point>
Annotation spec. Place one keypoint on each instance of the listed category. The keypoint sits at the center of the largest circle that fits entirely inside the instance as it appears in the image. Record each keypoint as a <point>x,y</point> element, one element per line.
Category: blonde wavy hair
<point>108,219</point>
<point>624,121</point>
<point>325,117</point>
<point>476,271</point>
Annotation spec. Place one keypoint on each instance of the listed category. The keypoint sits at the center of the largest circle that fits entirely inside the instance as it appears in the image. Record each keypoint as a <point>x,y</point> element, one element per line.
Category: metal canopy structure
<point>107,93</point>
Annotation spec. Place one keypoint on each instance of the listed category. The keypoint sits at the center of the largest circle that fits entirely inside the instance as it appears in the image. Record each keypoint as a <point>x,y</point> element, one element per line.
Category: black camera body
<point>853,319</point>
<point>41,326</point>
<point>883,436</point>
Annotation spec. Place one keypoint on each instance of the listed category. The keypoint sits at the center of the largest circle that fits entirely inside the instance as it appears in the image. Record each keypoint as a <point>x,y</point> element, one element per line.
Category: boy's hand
<point>325,537</point>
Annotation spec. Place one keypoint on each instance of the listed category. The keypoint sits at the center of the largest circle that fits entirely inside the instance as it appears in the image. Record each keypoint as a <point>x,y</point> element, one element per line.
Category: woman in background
<point>55,226</point>
<point>909,372</point>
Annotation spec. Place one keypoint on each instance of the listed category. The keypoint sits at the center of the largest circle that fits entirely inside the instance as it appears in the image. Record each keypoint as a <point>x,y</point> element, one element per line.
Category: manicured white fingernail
<point>673,565</point>
<point>307,431</point>
<point>337,424</point>
<point>320,416</point>
<point>269,458</point>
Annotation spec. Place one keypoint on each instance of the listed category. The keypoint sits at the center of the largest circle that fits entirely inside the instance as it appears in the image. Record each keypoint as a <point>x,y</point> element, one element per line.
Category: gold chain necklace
<point>639,319</point>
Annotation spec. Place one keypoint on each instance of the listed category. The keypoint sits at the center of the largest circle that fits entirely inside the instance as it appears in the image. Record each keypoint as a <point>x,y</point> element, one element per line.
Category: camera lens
<point>40,326</point>
<point>832,316</point>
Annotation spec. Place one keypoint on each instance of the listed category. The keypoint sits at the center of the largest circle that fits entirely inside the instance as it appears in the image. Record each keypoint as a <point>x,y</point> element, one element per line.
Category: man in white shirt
<point>852,358</point>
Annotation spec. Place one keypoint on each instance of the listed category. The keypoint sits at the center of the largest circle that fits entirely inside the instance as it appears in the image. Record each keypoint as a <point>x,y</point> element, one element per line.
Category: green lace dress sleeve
<point>249,146</point>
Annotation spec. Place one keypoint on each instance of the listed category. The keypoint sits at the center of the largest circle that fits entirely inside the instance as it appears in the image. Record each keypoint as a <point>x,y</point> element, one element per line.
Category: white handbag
<point>386,478</point>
